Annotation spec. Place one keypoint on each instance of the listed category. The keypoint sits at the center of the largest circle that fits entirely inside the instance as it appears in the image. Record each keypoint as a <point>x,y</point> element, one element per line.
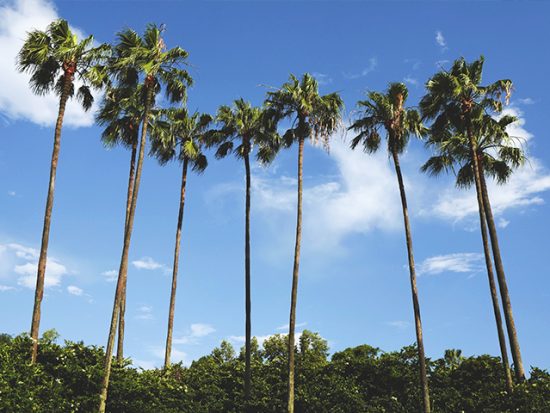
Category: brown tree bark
<point>295,273</point>
<point>414,289</point>
<point>131,176</point>
<point>123,270</point>
<point>172,307</point>
<point>248,303</point>
<point>41,273</point>
<point>501,277</point>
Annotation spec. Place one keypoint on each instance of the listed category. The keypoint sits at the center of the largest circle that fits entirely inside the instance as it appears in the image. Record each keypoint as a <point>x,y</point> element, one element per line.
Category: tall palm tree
<point>120,113</point>
<point>317,117</point>
<point>141,62</point>
<point>242,126</point>
<point>55,58</point>
<point>387,111</point>
<point>452,153</point>
<point>179,135</point>
<point>459,106</point>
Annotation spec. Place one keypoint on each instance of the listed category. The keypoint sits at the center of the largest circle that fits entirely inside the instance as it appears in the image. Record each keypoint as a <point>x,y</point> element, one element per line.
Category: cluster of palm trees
<point>468,136</point>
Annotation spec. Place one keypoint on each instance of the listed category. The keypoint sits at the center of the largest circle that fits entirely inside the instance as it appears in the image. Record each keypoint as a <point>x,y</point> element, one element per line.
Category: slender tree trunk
<point>491,277</point>
<point>120,344</point>
<point>123,270</point>
<point>172,308</point>
<point>416,305</point>
<point>501,277</point>
<point>41,273</point>
<point>248,304</point>
<point>295,273</point>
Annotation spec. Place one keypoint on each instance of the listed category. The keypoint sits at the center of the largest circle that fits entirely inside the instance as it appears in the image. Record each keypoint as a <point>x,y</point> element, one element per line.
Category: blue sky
<point>354,285</point>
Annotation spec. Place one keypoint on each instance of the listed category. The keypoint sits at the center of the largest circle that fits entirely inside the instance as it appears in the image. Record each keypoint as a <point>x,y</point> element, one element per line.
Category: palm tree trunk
<point>248,304</point>
<point>120,344</point>
<point>506,303</point>
<point>41,273</point>
<point>172,308</point>
<point>416,305</point>
<point>123,270</point>
<point>491,277</point>
<point>295,273</point>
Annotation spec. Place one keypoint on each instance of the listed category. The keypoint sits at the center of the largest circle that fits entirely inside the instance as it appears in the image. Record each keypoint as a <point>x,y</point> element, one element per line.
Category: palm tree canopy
<point>463,109</point>
<point>386,111</point>
<point>52,55</point>
<point>498,152</point>
<point>311,115</point>
<point>145,59</point>
<point>176,134</point>
<point>241,126</point>
<point>121,112</point>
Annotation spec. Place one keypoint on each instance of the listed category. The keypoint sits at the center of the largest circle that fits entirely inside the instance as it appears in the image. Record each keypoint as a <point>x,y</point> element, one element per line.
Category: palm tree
<point>387,110</point>
<point>121,112</point>
<point>247,126</point>
<point>177,129</point>
<point>453,154</point>
<point>459,106</point>
<point>317,117</point>
<point>141,61</point>
<point>54,58</point>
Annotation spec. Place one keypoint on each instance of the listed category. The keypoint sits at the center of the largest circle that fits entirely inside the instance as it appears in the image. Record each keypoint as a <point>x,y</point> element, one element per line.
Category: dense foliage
<point>67,378</point>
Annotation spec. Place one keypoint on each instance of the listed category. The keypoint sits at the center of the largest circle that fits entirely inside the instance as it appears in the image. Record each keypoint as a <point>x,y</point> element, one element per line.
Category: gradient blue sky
<point>354,286</point>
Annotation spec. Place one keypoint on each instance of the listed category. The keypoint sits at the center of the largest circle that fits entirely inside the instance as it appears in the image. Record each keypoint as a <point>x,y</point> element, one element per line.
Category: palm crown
<point>177,128</point>
<point>56,56</point>
<point>146,59</point>
<point>386,110</point>
<point>311,114</point>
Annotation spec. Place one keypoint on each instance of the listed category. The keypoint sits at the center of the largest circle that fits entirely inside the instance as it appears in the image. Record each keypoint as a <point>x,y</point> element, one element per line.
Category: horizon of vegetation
<point>458,118</point>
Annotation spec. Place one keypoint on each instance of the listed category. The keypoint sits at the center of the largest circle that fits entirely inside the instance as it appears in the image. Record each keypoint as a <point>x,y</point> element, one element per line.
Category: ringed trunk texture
<point>172,307</point>
<point>501,277</point>
<point>491,276</point>
<point>248,302</point>
<point>131,176</point>
<point>295,273</point>
<point>123,270</point>
<point>416,304</point>
<point>41,273</point>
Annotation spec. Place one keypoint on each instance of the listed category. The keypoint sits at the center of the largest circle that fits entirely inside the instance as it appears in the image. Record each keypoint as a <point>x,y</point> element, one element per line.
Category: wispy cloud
<point>322,78</point>
<point>286,326</point>
<point>74,290</point>
<point>409,79</point>
<point>526,101</point>
<point>399,324</point>
<point>465,262</point>
<point>196,331</point>
<point>110,275</point>
<point>16,98</point>
<point>12,193</point>
<point>145,312</point>
<point>6,288</point>
<point>148,263</point>
<point>414,62</point>
<point>440,40</point>
<point>372,65</point>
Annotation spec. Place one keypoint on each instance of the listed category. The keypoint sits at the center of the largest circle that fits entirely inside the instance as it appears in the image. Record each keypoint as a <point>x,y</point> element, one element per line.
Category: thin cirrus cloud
<point>372,65</point>
<point>196,332</point>
<point>17,102</point>
<point>440,40</point>
<point>464,262</point>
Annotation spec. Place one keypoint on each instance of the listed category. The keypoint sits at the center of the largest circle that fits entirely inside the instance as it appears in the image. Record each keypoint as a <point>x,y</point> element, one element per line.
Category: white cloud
<point>196,331</point>
<point>286,326</point>
<point>16,99</point>
<point>110,275</point>
<point>322,79</point>
<point>399,324</point>
<point>522,190</point>
<point>147,263</point>
<point>362,197</point>
<point>12,193</point>
<point>21,251</point>
<point>503,223</point>
<point>411,80</point>
<point>372,65</point>
<point>145,312</point>
<point>440,40</point>
<point>6,288</point>
<point>54,272</point>
<point>74,290</point>
<point>526,101</point>
<point>466,262</point>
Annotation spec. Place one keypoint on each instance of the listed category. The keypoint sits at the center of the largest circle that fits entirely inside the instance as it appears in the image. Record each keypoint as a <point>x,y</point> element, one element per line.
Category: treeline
<point>460,119</point>
<point>362,379</point>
